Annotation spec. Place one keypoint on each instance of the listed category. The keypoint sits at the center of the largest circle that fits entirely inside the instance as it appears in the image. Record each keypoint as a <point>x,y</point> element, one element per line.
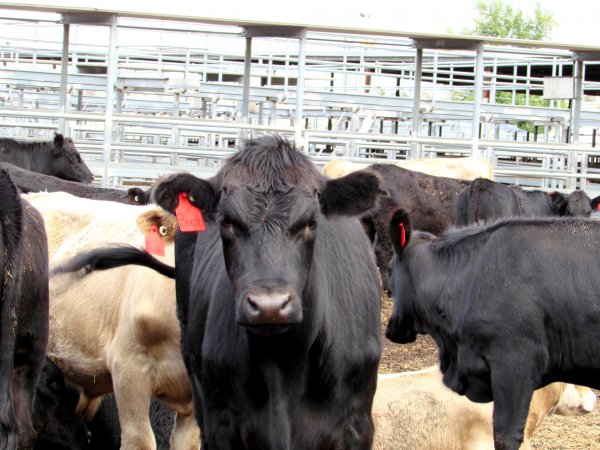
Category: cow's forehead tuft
<point>252,205</point>
<point>270,163</point>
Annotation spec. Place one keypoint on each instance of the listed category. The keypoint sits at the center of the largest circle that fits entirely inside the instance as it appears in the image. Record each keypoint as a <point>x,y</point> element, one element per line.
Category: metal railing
<point>178,107</point>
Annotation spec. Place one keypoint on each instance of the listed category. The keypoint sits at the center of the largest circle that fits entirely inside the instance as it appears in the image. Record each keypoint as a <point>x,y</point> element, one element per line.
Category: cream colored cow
<point>466,168</point>
<point>117,330</point>
<point>415,410</point>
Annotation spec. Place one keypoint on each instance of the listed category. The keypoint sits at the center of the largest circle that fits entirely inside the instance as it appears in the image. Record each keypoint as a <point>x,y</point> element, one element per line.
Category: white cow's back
<point>116,329</point>
<point>415,410</point>
<point>464,168</point>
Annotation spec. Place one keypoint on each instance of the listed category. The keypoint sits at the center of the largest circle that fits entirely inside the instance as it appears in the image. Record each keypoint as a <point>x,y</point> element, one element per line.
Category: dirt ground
<point>555,433</point>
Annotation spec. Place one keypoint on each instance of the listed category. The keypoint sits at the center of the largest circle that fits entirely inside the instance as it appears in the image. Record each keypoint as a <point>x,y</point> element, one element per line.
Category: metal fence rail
<point>146,147</point>
<point>180,106</point>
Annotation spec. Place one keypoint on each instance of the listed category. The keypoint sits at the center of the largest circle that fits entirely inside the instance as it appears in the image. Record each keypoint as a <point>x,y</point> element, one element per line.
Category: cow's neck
<point>281,347</point>
<point>38,157</point>
<point>437,282</point>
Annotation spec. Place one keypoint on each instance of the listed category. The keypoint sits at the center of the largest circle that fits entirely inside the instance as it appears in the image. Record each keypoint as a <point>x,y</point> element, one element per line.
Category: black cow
<point>24,323</point>
<point>485,200</point>
<point>57,424</point>
<point>429,199</point>
<point>512,306</point>
<point>58,158</point>
<point>278,301</point>
<point>28,181</point>
<point>10,283</point>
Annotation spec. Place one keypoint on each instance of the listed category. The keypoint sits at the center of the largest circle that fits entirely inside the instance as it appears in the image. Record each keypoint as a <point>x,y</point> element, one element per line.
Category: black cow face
<point>269,202</point>
<point>268,241</point>
<point>401,327</point>
<point>54,417</point>
<point>66,161</point>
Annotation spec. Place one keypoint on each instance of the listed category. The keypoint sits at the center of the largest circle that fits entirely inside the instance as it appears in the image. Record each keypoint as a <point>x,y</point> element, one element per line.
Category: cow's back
<point>534,203</point>
<point>464,168</point>
<point>429,199</point>
<point>15,152</point>
<point>68,216</point>
<point>414,410</point>
<point>34,182</point>
<point>337,168</point>
<point>485,200</point>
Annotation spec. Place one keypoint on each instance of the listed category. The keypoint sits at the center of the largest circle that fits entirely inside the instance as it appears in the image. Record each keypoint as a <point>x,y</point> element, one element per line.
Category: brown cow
<point>117,330</point>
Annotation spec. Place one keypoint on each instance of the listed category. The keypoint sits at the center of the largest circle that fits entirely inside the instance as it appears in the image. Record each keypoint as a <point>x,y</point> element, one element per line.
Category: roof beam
<point>448,44</point>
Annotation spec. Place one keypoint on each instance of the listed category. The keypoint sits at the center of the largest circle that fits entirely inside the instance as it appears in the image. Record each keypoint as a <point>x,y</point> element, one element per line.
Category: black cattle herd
<point>278,299</point>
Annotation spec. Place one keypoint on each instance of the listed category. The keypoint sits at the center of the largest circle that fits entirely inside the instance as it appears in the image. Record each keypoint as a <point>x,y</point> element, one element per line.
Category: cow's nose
<point>390,332</point>
<point>269,309</point>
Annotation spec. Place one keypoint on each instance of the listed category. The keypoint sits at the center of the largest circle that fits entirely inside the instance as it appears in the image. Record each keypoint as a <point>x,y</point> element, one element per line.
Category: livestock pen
<point>137,112</point>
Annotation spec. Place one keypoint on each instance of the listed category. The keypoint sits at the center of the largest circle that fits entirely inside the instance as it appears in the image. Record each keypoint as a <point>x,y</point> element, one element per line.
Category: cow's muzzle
<point>398,334</point>
<point>272,308</point>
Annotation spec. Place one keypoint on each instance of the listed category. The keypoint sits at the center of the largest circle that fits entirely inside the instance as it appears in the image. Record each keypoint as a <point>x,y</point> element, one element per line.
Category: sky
<point>576,20</point>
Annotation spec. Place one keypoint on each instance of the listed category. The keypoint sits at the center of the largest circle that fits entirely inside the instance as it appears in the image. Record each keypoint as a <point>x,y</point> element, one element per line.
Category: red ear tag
<point>402,235</point>
<point>188,216</point>
<point>598,207</point>
<point>154,244</point>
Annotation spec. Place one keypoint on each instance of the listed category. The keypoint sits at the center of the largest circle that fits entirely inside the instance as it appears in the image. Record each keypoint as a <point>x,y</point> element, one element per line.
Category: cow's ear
<point>400,230</point>
<point>595,203</point>
<point>200,193</point>
<point>351,195</point>
<point>558,202</point>
<point>165,223</point>
<point>137,196</point>
<point>59,141</point>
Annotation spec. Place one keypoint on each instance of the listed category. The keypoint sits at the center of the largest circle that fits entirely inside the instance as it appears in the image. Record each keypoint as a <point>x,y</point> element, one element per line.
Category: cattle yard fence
<point>179,107</point>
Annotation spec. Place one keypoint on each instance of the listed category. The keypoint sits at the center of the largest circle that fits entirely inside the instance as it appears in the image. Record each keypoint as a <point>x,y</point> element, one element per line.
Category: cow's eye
<point>226,222</point>
<point>302,226</point>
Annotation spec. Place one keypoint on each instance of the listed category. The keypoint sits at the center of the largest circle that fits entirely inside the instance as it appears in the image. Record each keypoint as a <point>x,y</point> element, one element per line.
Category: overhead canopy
<point>183,11</point>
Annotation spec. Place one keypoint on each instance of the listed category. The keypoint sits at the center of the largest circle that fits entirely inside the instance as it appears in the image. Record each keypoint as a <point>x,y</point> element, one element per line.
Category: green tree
<point>500,19</point>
